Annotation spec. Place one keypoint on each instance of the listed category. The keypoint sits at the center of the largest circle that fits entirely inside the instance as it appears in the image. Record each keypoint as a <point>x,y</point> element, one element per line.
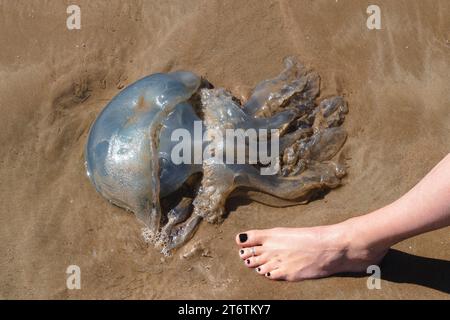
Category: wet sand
<point>54,82</point>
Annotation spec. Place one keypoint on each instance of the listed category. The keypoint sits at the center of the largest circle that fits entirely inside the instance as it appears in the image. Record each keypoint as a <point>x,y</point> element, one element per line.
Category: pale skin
<point>296,254</point>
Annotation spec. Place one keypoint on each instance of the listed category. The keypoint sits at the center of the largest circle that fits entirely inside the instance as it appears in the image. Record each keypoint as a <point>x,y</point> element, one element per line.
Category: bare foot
<point>295,254</point>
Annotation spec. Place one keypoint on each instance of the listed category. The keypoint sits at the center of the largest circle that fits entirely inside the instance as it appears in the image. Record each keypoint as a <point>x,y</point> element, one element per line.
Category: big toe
<point>250,238</point>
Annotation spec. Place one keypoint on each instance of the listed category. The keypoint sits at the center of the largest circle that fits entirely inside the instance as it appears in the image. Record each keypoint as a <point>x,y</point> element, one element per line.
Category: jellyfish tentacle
<point>216,185</point>
<point>182,233</point>
<point>176,215</point>
<point>290,138</point>
<point>291,188</point>
<point>220,108</point>
<point>331,113</point>
<point>279,121</point>
<point>323,145</point>
<point>271,93</point>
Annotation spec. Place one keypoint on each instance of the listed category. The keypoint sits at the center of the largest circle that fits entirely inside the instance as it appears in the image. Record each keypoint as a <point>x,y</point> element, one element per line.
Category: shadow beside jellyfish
<point>130,148</point>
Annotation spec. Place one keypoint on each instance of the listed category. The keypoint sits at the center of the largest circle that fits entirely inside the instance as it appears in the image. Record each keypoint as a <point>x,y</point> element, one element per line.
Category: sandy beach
<point>55,81</point>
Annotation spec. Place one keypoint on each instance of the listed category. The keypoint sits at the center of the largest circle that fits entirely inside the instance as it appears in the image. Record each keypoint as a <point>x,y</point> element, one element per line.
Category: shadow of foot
<point>401,267</point>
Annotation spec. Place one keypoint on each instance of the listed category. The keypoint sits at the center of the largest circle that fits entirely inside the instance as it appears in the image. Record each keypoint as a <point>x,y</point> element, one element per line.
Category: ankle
<point>359,242</point>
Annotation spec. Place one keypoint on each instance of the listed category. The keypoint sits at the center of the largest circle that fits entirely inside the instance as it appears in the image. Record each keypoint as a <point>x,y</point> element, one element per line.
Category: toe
<point>277,274</point>
<point>256,261</point>
<point>250,238</point>
<point>246,253</point>
<point>267,267</point>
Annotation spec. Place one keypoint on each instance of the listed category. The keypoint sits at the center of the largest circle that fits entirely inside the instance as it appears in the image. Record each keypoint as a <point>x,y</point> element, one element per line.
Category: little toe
<point>267,267</point>
<point>250,238</point>
<point>277,274</point>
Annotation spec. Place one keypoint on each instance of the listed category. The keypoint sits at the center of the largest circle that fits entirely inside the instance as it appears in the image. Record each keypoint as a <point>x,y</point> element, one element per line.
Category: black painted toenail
<point>243,237</point>
<point>258,269</point>
<point>268,274</point>
<point>242,251</point>
<point>248,261</point>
